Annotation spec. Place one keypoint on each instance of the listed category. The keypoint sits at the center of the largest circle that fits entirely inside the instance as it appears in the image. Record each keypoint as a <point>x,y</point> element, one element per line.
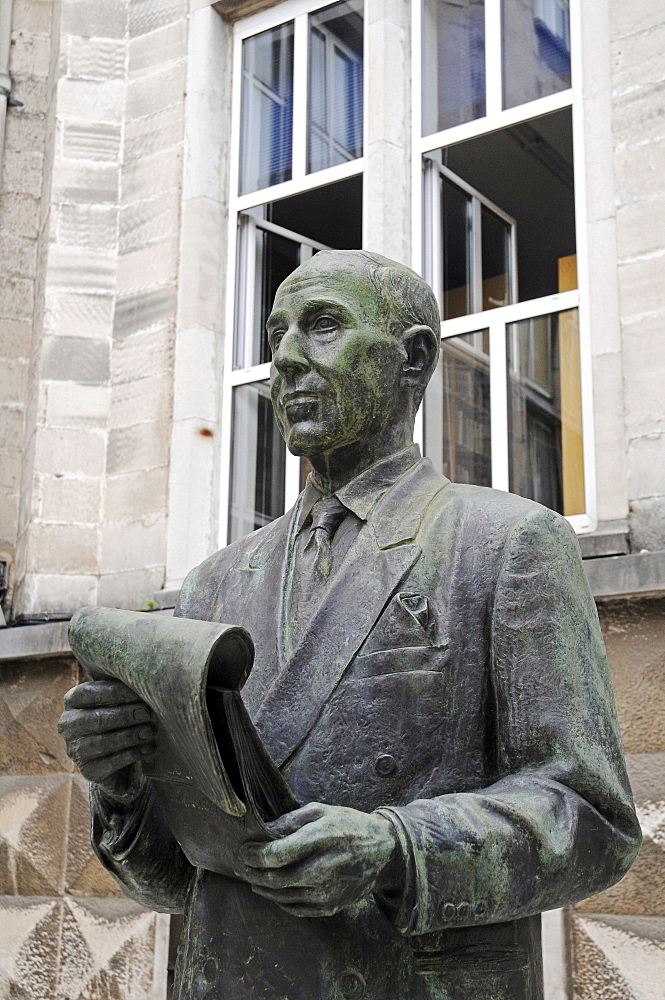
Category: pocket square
<point>407,621</point>
<point>417,606</point>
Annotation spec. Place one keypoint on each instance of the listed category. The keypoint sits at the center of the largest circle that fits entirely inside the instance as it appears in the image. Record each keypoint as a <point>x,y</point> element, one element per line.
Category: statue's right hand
<point>107,731</point>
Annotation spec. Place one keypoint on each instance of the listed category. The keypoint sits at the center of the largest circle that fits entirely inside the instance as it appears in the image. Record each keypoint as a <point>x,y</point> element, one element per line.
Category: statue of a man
<point>429,676</point>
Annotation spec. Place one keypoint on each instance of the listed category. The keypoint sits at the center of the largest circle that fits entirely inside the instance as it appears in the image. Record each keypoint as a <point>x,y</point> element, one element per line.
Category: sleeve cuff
<point>401,908</point>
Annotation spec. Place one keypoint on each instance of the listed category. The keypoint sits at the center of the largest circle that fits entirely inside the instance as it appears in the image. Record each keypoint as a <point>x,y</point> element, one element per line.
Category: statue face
<point>335,376</point>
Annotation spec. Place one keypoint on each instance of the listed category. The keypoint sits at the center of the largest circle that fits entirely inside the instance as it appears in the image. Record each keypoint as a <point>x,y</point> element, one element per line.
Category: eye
<point>275,339</point>
<point>324,324</point>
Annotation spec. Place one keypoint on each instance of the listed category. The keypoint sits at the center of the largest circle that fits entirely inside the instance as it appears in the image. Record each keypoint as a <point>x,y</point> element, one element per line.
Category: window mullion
<point>476,257</point>
<point>493,69</point>
<point>499,406</point>
<point>300,91</point>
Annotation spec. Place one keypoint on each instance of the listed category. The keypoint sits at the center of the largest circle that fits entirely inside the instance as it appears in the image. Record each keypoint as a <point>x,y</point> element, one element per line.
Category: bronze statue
<point>430,678</point>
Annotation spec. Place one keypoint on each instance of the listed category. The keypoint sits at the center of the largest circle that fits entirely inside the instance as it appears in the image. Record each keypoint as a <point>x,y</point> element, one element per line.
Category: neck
<point>336,468</point>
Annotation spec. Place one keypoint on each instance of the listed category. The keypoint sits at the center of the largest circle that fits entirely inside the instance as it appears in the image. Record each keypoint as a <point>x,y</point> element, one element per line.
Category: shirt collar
<point>362,493</point>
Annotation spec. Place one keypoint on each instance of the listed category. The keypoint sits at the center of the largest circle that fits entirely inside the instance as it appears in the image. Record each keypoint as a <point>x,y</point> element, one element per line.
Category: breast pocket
<point>404,638</point>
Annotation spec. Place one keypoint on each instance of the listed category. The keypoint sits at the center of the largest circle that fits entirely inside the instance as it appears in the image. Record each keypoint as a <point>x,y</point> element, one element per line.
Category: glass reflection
<point>456,232</point>
<point>453,63</point>
<point>257,461</point>
<point>536,49</point>
<point>335,132</point>
<point>545,411</point>
<point>457,411</point>
<point>495,242</point>
<point>266,124</point>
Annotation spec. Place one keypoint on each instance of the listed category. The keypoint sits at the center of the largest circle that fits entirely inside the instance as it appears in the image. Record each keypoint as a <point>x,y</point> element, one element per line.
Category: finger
<point>97,694</point>
<point>300,878</point>
<point>295,820</point>
<point>104,745</point>
<point>76,722</point>
<point>289,850</point>
<point>102,768</point>
<point>294,896</point>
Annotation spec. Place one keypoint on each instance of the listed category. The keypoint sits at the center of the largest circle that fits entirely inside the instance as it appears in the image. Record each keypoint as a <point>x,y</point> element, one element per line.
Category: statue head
<point>355,339</point>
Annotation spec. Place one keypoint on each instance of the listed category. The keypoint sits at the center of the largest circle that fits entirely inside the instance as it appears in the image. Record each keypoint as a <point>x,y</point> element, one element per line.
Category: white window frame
<point>297,11</point>
<point>497,320</point>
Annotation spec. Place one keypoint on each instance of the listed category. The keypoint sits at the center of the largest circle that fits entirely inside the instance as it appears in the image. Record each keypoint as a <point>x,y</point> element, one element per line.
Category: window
<point>297,178</point>
<point>505,407</point>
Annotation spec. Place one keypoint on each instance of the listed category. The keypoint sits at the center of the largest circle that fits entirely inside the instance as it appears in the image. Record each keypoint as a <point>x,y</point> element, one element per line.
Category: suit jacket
<point>454,673</point>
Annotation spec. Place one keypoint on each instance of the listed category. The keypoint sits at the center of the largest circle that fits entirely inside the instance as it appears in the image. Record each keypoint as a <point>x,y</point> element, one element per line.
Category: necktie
<point>327,515</point>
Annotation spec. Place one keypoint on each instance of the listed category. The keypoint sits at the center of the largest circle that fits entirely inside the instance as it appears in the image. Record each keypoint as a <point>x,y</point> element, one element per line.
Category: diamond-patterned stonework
<point>30,706</point>
<point>33,831</point>
<point>619,957</point>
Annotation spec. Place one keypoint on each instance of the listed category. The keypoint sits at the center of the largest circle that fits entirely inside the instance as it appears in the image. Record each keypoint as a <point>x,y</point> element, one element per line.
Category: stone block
<point>11,422</point>
<point>86,183</point>
<point>153,134</point>
<point>24,131</point>
<point>210,55</point>
<point>91,100</point>
<point>196,390</point>
<point>30,55</point>
<point>18,255</point>
<point>91,141</point>
<point>132,589</point>
<point>642,286</point>
<point>628,19</point>
<point>30,706</point>
<point>91,226</point>
<point>151,266</point>
<point>387,91</point>
<point>69,451</point>
<point>75,359</point>
<point>20,214</point>
<point>62,548</point>
<point>33,833</point>
<point>207,161</point>
<point>142,447</point>
<point>152,175</point>
<point>15,338</point>
<point>13,380</point>
<point>23,175</point>
<point>107,950</point>
<point>61,496</point>
<point>148,52</point>
<point>191,513</point>
<point>634,633</point>
<point>638,165</point>
<point>148,15</point>
<point>143,353</point>
<point>133,545</point>
<point>136,495</point>
<point>28,960</point>
<point>11,465</point>
<point>79,314</point>
<point>16,297</point>
<point>79,270</point>
<point>33,92</point>
<point>618,957</point>
<point>637,58</point>
<point>143,310</point>
<point>141,400</point>
<point>67,405</point>
<point>56,592</point>
<point>644,463</point>
<point>95,18</point>
<point>84,875</point>
<point>96,58</point>
<point>639,112</point>
<point>640,225</point>
<point>147,221</point>
<point>203,243</point>
<point>647,523</point>
<point>32,17</point>
<point>147,95</point>
<point>8,515</point>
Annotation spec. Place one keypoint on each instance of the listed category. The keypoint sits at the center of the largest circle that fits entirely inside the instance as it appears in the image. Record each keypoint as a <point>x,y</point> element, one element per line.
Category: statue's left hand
<point>327,857</point>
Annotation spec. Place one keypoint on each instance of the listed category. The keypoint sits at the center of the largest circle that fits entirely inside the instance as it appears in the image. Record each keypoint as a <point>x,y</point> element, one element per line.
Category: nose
<point>289,357</point>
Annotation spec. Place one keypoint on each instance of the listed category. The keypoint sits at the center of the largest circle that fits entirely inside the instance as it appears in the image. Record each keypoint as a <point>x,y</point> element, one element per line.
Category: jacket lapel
<point>381,556</point>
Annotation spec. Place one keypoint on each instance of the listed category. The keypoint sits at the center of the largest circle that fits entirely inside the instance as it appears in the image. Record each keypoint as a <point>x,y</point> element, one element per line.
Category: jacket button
<point>449,911</point>
<point>463,910</point>
<point>351,986</point>
<point>480,909</point>
<point>385,765</point>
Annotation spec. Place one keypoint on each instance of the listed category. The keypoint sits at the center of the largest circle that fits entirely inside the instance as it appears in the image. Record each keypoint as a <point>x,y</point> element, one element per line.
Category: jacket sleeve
<point>135,845</point>
<point>557,823</point>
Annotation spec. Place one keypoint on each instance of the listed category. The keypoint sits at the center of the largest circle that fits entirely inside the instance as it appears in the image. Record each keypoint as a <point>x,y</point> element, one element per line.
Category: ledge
<point>34,642</point>
<point>633,575</point>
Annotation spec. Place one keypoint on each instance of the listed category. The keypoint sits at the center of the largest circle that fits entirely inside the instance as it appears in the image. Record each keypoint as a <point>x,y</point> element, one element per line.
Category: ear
<point>420,352</point>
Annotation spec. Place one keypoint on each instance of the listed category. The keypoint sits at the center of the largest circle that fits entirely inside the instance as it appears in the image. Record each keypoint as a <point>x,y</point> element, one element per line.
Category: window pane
<point>335,85</point>
<point>545,411</point>
<point>536,49</point>
<point>267,108</point>
<point>495,241</point>
<point>257,461</point>
<point>453,63</point>
<point>456,234</point>
<point>457,411</point>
